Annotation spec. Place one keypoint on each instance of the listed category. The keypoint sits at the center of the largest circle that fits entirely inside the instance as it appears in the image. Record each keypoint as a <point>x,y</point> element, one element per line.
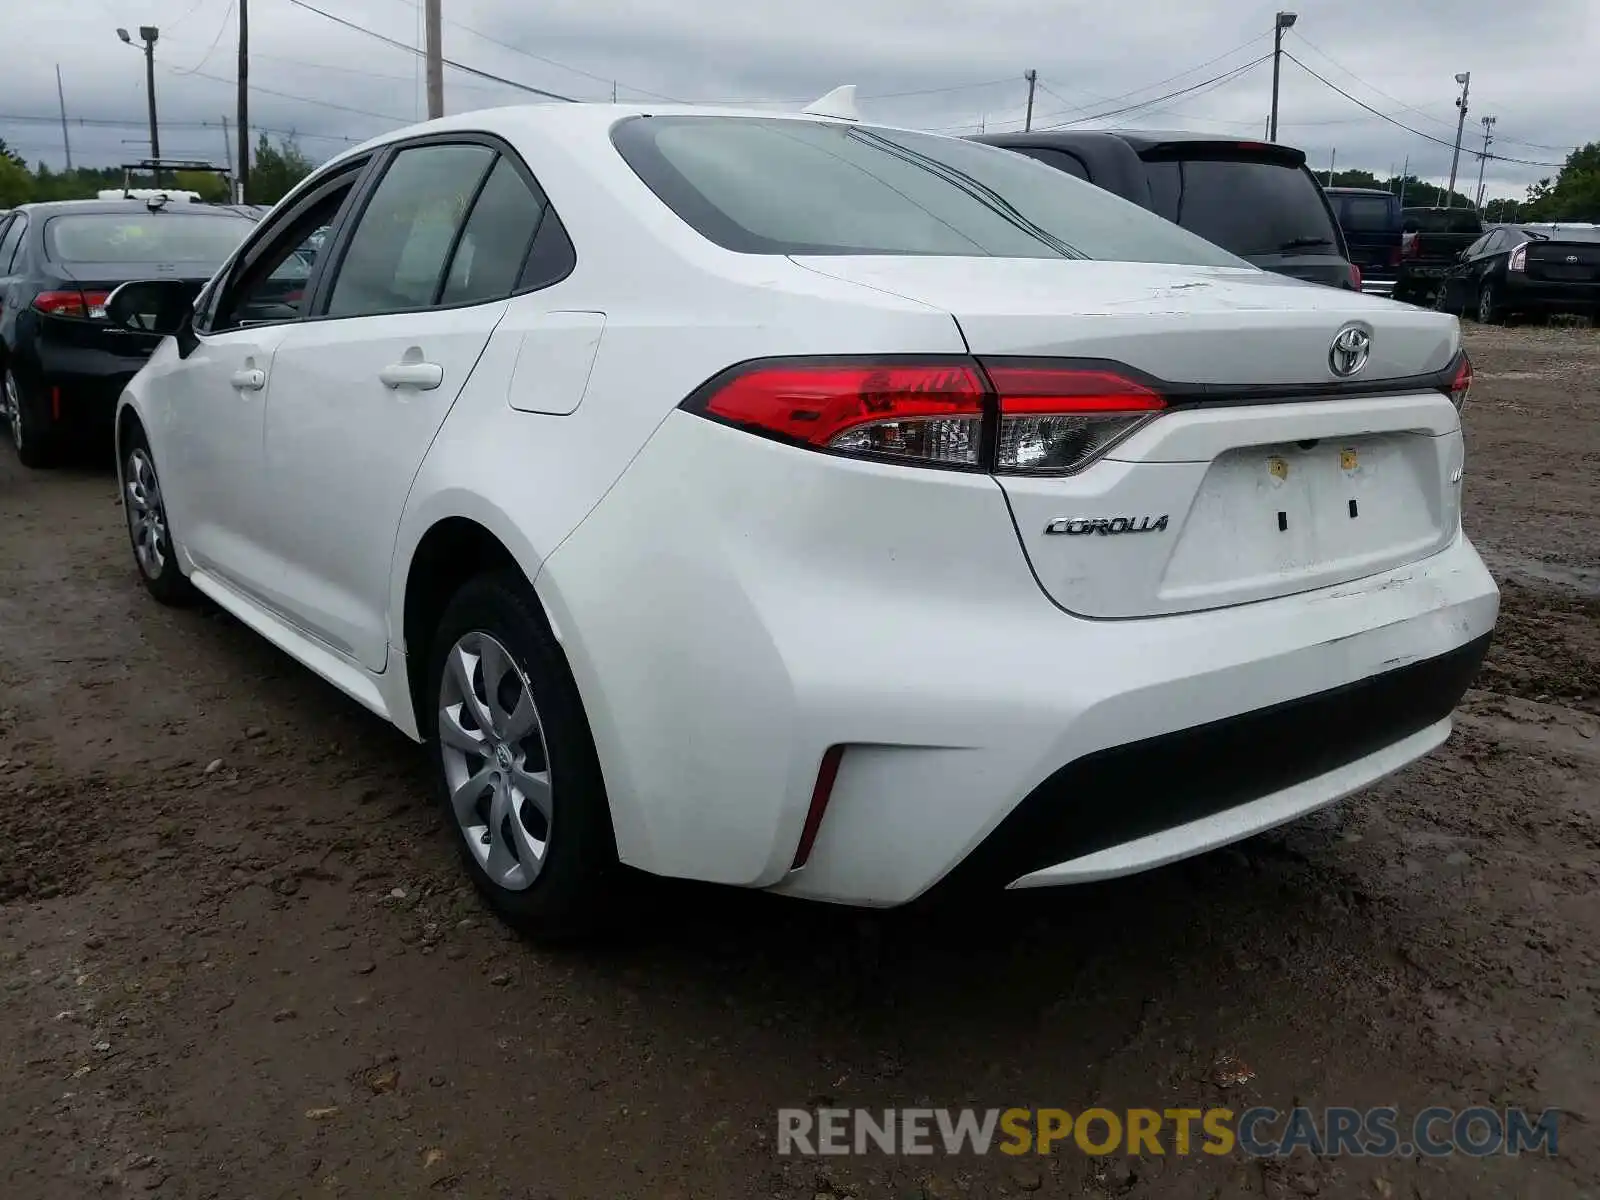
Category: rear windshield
<point>1249,206</point>
<point>1367,214</point>
<point>144,237</point>
<point>1443,220</point>
<point>782,186</point>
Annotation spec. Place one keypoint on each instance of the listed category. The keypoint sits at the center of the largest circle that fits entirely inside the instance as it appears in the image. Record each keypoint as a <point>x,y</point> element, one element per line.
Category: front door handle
<point>424,376</point>
<point>252,379</point>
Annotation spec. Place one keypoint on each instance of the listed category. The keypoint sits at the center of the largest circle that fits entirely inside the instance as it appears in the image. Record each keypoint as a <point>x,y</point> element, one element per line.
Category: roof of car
<point>1139,139</point>
<point>56,208</point>
<point>1355,191</point>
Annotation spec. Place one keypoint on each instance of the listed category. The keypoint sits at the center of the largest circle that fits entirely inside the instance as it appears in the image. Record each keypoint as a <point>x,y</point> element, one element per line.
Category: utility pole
<point>148,35</point>
<point>1284,20</point>
<point>1488,136</point>
<point>431,22</point>
<point>1032,77</point>
<point>243,102</point>
<point>227,147</point>
<point>1333,157</point>
<point>61,98</point>
<point>1465,80</point>
<point>1405,170</point>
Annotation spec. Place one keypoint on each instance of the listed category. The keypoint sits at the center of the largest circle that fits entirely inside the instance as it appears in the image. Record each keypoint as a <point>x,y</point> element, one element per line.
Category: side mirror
<point>151,306</point>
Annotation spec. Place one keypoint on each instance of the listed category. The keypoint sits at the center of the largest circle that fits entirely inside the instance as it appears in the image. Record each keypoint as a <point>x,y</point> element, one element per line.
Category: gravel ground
<point>237,958</point>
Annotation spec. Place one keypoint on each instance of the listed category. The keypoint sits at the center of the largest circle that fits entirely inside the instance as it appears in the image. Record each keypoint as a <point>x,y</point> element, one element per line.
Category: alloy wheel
<point>1486,305</point>
<point>147,516</point>
<point>496,768</point>
<point>13,410</point>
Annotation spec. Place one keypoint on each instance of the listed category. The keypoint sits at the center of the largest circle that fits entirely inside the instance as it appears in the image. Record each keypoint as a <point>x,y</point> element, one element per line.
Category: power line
<point>1413,108</point>
<point>399,45</point>
<point>1428,137</point>
<point>119,123</point>
<point>266,91</point>
<point>1162,82</point>
<point>215,42</point>
<point>1225,77</point>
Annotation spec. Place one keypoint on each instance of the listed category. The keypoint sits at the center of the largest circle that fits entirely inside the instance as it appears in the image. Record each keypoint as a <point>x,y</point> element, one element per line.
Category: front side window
<point>762,185</point>
<point>275,286</point>
<point>395,260</point>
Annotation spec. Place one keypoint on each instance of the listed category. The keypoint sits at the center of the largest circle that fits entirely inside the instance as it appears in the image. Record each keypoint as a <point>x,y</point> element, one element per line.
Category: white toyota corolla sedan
<point>798,504</point>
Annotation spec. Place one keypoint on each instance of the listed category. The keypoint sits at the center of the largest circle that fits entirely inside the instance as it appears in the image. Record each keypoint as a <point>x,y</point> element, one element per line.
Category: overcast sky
<point>1532,63</point>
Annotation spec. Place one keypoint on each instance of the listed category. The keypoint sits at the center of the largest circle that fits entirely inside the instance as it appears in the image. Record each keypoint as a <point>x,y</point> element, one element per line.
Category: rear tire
<point>1489,312</point>
<point>149,534</point>
<point>515,764</point>
<point>35,447</point>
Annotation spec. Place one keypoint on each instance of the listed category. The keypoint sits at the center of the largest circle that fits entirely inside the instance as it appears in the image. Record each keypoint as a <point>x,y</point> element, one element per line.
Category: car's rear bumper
<point>1549,295</point>
<point>726,632</point>
<point>73,388</point>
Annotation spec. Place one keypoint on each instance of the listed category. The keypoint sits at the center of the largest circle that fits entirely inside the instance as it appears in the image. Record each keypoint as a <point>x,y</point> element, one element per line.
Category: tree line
<point>275,167</point>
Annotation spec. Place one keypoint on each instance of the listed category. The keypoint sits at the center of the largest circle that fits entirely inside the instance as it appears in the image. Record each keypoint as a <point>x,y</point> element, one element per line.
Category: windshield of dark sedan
<point>783,186</point>
<point>144,237</point>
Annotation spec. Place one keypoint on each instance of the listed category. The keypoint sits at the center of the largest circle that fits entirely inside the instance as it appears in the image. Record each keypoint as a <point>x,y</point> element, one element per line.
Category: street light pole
<point>1465,80</point>
<point>1488,136</point>
<point>148,35</point>
<point>1284,20</point>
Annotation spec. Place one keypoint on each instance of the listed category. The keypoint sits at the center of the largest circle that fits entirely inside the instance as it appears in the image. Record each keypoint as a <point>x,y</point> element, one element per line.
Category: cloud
<point>932,64</point>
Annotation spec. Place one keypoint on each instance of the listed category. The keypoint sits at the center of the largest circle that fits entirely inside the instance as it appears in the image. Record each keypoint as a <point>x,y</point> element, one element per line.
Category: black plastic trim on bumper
<point>1117,795</point>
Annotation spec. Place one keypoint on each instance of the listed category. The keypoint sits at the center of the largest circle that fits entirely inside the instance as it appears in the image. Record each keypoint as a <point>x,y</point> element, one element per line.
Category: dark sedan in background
<point>1525,270</point>
<point>63,364</point>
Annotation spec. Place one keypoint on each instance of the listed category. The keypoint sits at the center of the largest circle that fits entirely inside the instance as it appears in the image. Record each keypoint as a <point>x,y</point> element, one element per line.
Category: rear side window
<point>496,238</point>
<point>396,257</point>
<point>786,186</point>
<point>1367,214</point>
<point>1246,206</point>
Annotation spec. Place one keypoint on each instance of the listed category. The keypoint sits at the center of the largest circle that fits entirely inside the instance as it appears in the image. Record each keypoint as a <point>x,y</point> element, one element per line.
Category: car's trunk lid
<point>1270,475</point>
<point>1563,262</point>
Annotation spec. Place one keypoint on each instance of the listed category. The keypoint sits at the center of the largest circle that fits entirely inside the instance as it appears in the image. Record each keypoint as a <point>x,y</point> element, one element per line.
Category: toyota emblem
<point>1349,351</point>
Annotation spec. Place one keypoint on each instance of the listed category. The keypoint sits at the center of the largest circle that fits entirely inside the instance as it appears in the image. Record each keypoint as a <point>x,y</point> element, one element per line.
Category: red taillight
<point>931,412</point>
<point>1057,420</point>
<point>1519,259</point>
<point>1461,381</point>
<point>83,305</point>
<point>1355,277</point>
<point>1410,246</point>
<point>1001,415</point>
<point>1394,255</point>
<point>821,793</point>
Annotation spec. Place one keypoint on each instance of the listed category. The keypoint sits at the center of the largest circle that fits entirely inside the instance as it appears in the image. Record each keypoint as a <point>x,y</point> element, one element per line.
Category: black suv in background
<point>1253,198</point>
<point>1370,219</point>
<point>1431,242</point>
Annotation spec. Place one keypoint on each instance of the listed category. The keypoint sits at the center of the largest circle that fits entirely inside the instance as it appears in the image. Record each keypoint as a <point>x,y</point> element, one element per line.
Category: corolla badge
<point>1351,347</point>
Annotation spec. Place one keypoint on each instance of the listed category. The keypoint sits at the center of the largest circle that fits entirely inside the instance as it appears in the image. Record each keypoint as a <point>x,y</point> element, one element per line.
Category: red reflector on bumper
<point>821,793</point>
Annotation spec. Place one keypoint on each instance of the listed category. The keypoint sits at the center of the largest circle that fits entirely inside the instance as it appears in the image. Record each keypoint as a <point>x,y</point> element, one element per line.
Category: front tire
<point>149,534</point>
<point>515,764</point>
<point>34,445</point>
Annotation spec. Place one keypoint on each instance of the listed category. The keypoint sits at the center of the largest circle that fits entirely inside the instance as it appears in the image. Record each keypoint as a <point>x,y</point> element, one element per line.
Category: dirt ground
<point>237,957</point>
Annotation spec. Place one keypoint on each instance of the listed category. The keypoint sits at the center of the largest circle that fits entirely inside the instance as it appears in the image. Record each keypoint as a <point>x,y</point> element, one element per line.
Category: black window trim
<point>383,158</point>
<point>19,221</point>
<point>267,238</point>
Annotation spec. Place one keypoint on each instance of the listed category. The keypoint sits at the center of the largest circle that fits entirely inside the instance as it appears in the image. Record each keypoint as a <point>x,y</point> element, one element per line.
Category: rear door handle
<point>424,376</point>
<point>252,379</point>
